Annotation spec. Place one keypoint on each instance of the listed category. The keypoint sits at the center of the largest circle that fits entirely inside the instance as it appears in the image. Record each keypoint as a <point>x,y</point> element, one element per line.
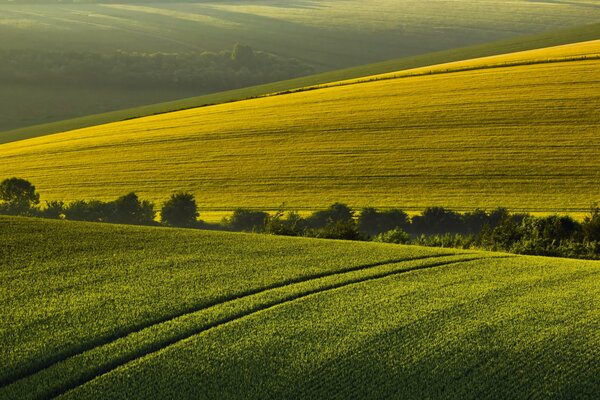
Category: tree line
<point>202,71</point>
<point>496,230</point>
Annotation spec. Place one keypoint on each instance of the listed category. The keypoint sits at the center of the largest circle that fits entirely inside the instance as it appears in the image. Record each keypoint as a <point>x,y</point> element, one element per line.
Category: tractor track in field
<point>110,365</point>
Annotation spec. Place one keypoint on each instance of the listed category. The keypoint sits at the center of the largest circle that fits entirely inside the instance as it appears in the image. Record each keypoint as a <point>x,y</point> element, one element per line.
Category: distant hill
<point>105,57</point>
<point>588,32</point>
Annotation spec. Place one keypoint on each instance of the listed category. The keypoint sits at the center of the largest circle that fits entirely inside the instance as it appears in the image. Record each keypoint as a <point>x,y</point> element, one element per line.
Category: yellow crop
<point>524,137</point>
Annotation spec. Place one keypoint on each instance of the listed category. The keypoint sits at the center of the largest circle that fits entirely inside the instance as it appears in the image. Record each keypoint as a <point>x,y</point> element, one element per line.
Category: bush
<point>337,212</point>
<point>346,230</point>
<point>398,236</point>
<point>372,222</point>
<point>243,220</point>
<point>290,226</point>
<point>53,210</point>
<point>91,211</point>
<point>591,225</point>
<point>437,220</point>
<point>180,210</point>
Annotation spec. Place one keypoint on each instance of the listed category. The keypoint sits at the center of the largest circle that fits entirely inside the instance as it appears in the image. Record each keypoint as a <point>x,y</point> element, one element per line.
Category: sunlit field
<point>522,137</point>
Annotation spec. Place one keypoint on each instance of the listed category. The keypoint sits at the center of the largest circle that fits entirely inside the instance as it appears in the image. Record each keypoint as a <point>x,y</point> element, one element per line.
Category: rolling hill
<point>35,99</point>
<point>63,45</point>
<point>517,130</point>
<point>108,311</point>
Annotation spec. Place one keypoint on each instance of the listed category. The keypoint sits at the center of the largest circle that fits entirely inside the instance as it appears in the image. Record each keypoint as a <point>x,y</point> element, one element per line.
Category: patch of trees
<point>203,72</point>
<point>496,230</point>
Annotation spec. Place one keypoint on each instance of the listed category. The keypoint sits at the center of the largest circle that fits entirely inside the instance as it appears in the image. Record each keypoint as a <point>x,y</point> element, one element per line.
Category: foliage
<point>18,196</point>
<point>53,209</point>
<point>372,221</point>
<point>129,209</point>
<point>591,224</point>
<point>247,220</point>
<point>180,210</point>
<point>284,225</point>
<point>397,236</point>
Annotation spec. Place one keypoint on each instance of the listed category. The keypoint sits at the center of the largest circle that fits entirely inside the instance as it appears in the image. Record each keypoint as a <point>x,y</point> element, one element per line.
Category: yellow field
<point>524,137</point>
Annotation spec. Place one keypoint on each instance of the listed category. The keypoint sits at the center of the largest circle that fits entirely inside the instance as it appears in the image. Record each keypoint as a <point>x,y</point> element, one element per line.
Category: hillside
<point>106,311</point>
<point>523,136</point>
<point>32,102</point>
<point>135,53</point>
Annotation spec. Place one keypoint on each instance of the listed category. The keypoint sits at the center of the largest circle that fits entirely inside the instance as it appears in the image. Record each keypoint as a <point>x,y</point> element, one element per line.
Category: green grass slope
<point>101,311</point>
<point>522,43</point>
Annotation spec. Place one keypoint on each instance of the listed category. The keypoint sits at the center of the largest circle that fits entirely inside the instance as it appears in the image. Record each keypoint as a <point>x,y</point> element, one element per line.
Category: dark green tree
<point>180,210</point>
<point>591,224</point>
<point>129,209</point>
<point>248,220</point>
<point>19,196</point>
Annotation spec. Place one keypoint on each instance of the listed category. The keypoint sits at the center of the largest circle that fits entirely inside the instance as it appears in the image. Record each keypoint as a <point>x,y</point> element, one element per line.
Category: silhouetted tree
<point>591,224</point>
<point>437,220</point>
<point>53,209</point>
<point>19,196</point>
<point>373,222</point>
<point>129,209</point>
<point>248,220</point>
<point>337,212</point>
<point>180,210</point>
<point>91,211</point>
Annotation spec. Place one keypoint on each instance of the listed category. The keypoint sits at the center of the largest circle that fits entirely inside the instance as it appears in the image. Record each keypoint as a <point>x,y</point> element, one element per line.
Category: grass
<point>520,136</point>
<point>40,94</point>
<point>105,311</point>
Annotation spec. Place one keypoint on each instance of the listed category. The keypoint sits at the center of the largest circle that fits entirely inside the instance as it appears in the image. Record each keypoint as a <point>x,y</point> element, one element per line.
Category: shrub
<point>346,230</point>
<point>398,236</point>
<point>278,225</point>
<point>91,211</point>
<point>180,210</point>
<point>591,225</point>
<point>53,209</point>
<point>337,212</point>
<point>372,222</point>
<point>244,220</point>
<point>437,220</point>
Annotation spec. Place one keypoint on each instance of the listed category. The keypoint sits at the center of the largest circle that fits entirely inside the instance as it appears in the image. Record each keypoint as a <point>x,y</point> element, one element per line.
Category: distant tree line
<point>496,230</point>
<point>202,71</point>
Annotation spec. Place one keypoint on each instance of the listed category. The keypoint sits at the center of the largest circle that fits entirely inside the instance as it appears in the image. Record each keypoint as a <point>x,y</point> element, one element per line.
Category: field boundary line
<point>27,372</point>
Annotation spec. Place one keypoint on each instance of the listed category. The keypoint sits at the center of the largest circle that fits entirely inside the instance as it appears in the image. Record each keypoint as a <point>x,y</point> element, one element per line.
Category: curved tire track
<point>82,376</point>
<point>116,363</point>
<point>32,370</point>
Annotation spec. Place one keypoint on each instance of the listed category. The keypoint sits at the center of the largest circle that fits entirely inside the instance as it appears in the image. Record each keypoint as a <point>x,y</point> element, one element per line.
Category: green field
<point>105,311</point>
<point>516,130</point>
<point>324,34</point>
